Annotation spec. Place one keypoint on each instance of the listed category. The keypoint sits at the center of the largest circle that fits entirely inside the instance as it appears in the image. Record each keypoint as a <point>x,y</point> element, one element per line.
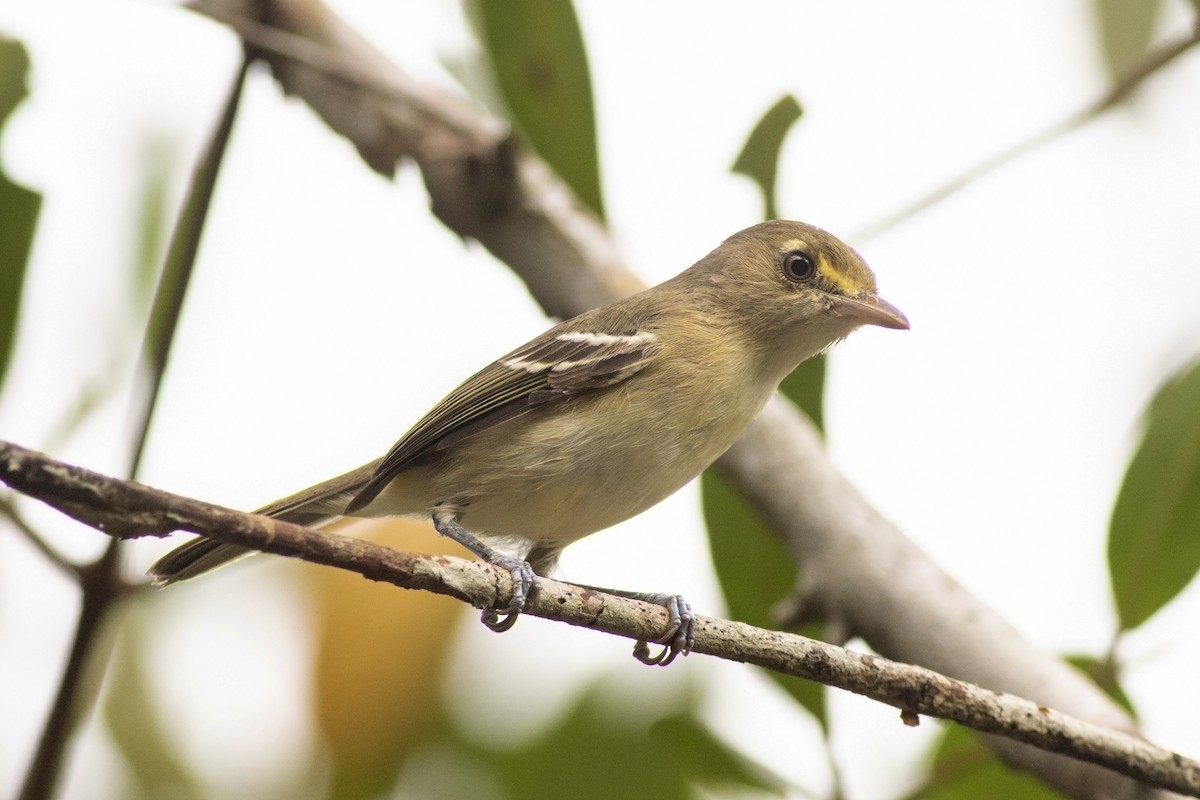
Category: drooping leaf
<point>759,159</point>
<point>19,207</point>
<point>1124,29</point>
<point>755,571</point>
<point>1104,674</point>
<point>538,58</point>
<point>963,767</point>
<point>1154,535</point>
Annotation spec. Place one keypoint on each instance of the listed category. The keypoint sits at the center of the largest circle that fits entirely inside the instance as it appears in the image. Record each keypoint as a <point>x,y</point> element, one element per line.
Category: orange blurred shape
<point>380,656</point>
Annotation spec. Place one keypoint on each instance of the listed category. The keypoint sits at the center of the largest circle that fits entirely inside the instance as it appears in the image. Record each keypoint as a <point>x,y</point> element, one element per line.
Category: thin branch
<point>34,538</point>
<point>125,509</point>
<point>1123,88</point>
<point>102,588</point>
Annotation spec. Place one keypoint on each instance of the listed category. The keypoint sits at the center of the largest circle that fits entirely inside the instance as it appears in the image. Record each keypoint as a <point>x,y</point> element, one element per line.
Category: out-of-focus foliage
<point>759,159</point>
<point>755,571</point>
<point>135,720</point>
<point>805,387</point>
<point>539,62</point>
<point>176,274</point>
<point>19,207</point>
<point>1104,674</point>
<point>1125,29</point>
<point>598,751</point>
<point>963,767</point>
<point>152,221</point>
<point>1154,536</point>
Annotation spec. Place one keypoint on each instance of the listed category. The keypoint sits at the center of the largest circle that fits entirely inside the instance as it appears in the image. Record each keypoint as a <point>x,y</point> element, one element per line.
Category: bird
<point>601,416</point>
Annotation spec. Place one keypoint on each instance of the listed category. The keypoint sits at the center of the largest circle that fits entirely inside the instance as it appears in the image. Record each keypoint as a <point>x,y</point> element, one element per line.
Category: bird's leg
<point>525,581</point>
<point>681,625</point>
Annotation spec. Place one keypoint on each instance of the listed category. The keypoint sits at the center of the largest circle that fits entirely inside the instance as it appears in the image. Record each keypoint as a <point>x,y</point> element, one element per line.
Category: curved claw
<point>641,651</point>
<point>494,622</point>
<point>525,583</point>
<point>680,635</point>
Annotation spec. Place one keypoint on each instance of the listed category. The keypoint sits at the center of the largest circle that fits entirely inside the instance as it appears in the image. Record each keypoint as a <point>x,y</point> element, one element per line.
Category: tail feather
<point>310,507</point>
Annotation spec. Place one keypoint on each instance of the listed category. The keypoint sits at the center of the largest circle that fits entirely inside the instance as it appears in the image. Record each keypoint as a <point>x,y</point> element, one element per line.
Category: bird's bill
<point>872,310</point>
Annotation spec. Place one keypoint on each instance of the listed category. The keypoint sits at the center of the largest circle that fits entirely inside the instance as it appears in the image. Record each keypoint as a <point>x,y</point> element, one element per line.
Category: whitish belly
<point>558,496</point>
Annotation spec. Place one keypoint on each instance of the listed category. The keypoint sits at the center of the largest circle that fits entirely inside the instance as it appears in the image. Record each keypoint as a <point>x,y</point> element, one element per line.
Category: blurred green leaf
<point>135,721</point>
<point>598,752</point>
<point>706,760</point>
<point>963,767</point>
<point>1104,675</point>
<point>176,273</point>
<point>755,571</point>
<point>759,159</point>
<point>21,207</point>
<point>1154,536</point>
<point>537,54</point>
<point>805,387</point>
<point>1124,30</point>
<point>152,221</point>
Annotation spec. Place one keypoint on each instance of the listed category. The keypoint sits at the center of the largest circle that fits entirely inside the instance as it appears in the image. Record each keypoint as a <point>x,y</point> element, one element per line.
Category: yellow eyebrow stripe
<point>844,282</point>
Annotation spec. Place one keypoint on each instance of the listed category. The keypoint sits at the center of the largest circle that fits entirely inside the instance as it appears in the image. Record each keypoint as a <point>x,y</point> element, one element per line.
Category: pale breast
<point>557,477</point>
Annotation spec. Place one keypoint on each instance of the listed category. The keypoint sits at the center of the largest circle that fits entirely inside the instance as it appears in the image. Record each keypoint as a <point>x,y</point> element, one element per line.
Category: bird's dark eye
<point>798,266</point>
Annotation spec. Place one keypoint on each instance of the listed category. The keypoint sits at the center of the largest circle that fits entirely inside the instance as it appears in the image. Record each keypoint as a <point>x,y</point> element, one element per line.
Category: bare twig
<point>37,540</point>
<point>101,587</point>
<point>126,509</point>
<point>1123,88</point>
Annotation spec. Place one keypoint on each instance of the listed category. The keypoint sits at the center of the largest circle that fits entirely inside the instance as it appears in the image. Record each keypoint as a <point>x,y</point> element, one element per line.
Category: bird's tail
<point>314,506</point>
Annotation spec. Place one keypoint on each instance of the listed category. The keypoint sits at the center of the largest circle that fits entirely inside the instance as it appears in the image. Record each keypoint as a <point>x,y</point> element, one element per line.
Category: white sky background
<point>329,310</point>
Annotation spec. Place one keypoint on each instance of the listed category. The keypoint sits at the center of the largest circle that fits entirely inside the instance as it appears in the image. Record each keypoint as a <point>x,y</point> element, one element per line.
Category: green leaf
<point>755,571</point>
<point>176,274</point>
<point>706,760</point>
<point>759,159</point>
<point>538,58</point>
<point>21,207</point>
<point>1154,535</point>
<point>152,221</point>
<point>596,752</point>
<point>963,767</point>
<point>1103,673</point>
<point>135,721</point>
<point>1124,30</point>
<point>805,387</point>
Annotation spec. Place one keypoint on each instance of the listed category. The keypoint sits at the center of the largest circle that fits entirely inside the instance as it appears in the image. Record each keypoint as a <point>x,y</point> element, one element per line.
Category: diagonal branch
<point>125,509</point>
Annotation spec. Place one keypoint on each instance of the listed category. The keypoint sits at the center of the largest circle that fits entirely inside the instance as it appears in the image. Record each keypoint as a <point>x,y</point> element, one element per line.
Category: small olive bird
<point>603,415</point>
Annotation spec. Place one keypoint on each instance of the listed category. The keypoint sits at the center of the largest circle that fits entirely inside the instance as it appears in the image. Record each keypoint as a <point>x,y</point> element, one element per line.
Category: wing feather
<point>560,363</point>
